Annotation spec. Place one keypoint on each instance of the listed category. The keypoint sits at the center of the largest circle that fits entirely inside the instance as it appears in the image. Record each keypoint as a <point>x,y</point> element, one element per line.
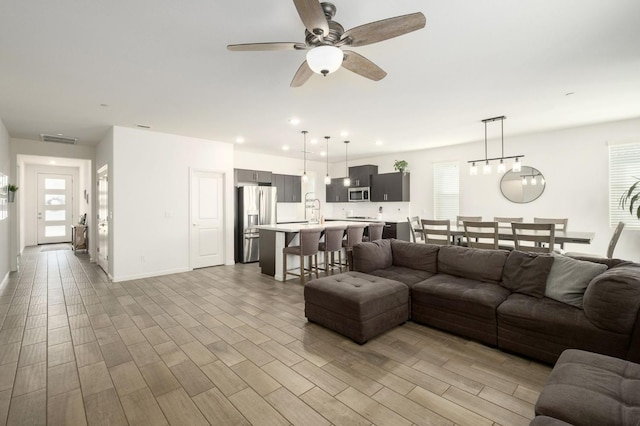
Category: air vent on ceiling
<point>58,139</point>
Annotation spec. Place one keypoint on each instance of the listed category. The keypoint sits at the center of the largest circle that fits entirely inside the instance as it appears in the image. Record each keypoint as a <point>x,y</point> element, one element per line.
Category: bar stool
<point>332,243</point>
<point>309,239</point>
<point>354,236</point>
<point>375,232</point>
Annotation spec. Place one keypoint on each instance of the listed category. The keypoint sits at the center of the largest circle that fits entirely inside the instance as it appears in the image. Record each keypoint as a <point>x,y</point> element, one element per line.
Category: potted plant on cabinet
<point>12,192</point>
<point>401,166</point>
<point>632,197</point>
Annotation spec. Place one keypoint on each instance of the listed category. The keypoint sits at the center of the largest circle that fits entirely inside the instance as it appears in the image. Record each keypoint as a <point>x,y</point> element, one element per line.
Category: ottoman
<point>586,388</point>
<point>356,305</point>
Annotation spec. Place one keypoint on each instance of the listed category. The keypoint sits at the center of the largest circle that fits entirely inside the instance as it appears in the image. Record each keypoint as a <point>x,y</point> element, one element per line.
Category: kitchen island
<point>274,238</point>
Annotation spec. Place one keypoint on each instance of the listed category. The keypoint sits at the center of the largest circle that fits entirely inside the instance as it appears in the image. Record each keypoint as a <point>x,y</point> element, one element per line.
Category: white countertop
<point>383,220</point>
<point>296,227</point>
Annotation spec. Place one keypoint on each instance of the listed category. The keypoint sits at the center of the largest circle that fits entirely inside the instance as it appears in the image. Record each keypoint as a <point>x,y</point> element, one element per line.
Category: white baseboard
<point>149,275</point>
<point>5,280</point>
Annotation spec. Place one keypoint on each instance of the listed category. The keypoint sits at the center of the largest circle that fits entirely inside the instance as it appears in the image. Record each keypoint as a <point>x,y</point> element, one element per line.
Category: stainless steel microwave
<point>359,194</point>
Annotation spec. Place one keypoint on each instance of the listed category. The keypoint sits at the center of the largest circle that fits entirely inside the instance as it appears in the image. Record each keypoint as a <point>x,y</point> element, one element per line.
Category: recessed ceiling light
<point>294,121</point>
<point>314,141</point>
<point>285,147</point>
<point>60,134</point>
<point>344,133</point>
<point>379,143</point>
<point>52,162</point>
<point>323,154</point>
<point>239,139</point>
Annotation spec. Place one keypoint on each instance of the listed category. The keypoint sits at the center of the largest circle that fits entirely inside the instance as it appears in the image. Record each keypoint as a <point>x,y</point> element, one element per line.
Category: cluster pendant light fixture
<point>346,181</point>
<point>486,168</point>
<point>305,178</point>
<point>327,178</point>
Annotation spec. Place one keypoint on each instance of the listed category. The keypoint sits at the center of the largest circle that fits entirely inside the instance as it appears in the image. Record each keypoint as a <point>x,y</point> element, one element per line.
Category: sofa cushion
<point>527,273</point>
<point>423,257</point>
<point>612,299</point>
<point>569,278</point>
<point>372,255</point>
<point>406,276</point>
<point>543,328</point>
<point>476,264</point>
<point>592,389</point>
<point>462,294</point>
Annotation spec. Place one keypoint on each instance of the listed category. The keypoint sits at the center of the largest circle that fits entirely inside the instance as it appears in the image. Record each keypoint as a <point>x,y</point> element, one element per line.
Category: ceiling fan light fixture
<point>325,59</point>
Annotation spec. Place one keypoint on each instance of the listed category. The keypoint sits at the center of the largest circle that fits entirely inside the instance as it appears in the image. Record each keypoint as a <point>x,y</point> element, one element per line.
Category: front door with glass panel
<point>55,204</point>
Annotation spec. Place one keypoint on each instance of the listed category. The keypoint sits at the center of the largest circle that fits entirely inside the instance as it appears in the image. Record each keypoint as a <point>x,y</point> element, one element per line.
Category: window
<point>624,170</point>
<point>446,191</point>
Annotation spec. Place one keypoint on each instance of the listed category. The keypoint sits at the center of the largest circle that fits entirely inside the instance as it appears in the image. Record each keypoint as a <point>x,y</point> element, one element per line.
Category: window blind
<point>446,191</point>
<point>624,170</point>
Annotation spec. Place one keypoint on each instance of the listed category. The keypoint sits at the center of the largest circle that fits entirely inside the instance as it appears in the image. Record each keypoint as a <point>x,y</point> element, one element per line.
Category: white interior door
<point>103,219</point>
<point>207,219</point>
<point>55,208</point>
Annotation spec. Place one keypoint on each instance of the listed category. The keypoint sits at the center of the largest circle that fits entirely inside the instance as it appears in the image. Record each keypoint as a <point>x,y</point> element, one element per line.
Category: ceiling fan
<point>325,39</point>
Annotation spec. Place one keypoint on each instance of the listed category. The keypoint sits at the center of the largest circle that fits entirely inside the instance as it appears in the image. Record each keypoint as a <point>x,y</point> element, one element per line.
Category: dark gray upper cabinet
<point>361,175</point>
<point>336,191</point>
<point>289,188</point>
<point>253,176</point>
<point>390,187</point>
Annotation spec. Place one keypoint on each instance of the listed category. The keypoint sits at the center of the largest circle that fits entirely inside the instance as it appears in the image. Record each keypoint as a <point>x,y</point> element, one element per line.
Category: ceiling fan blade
<point>303,74</point>
<point>266,46</point>
<point>358,64</point>
<point>374,32</point>
<point>312,16</point>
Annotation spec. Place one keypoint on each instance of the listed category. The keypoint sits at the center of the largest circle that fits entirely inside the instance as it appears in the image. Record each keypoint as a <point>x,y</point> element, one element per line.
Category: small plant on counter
<point>12,188</point>
<point>401,166</point>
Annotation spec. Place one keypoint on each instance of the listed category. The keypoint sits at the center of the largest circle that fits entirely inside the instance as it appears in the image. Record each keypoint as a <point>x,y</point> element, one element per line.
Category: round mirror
<point>523,186</point>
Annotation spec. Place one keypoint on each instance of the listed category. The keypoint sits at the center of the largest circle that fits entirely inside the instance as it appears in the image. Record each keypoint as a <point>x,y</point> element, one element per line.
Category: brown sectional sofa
<point>494,296</point>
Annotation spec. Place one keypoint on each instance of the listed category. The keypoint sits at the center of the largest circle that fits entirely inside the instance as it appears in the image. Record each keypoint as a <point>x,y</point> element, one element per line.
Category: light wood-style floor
<point>227,345</point>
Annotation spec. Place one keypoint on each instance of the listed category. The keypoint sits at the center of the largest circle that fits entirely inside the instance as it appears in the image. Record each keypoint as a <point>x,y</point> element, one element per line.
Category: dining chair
<point>416,228</point>
<point>612,244</point>
<point>354,236</point>
<point>375,232</point>
<point>332,243</point>
<point>505,222</point>
<point>482,235</point>
<point>308,248</point>
<point>560,224</point>
<point>531,237</point>
<point>460,219</point>
<point>436,231</point>
<point>460,225</point>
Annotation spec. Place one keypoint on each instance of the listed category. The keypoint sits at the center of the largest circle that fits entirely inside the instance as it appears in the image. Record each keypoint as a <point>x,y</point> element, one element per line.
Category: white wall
<point>287,166</point>
<point>573,161</point>
<point>150,180</point>
<point>5,225</point>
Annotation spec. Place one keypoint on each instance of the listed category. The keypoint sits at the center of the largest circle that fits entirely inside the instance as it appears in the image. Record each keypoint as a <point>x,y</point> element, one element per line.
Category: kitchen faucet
<point>314,205</point>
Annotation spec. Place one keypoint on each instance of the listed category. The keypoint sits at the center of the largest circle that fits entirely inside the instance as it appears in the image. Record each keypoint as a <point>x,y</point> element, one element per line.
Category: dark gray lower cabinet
<point>336,192</point>
<point>390,187</point>
<point>289,188</point>
<point>399,231</point>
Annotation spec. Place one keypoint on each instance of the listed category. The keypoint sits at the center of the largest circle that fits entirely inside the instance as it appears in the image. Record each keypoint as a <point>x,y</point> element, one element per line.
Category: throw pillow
<point>569,279</point>
<point>527,273</point>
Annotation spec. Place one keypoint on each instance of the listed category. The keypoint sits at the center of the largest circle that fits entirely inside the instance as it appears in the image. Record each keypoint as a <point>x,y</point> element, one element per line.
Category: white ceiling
<point>165,64</point>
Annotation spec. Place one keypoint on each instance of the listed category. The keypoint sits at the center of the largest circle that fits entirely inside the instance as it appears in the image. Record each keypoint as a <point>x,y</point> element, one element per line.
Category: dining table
<point>506,233</point>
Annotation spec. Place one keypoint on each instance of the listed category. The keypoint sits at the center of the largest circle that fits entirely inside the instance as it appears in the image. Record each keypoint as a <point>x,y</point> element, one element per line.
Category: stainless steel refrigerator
<point>256,206</point>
